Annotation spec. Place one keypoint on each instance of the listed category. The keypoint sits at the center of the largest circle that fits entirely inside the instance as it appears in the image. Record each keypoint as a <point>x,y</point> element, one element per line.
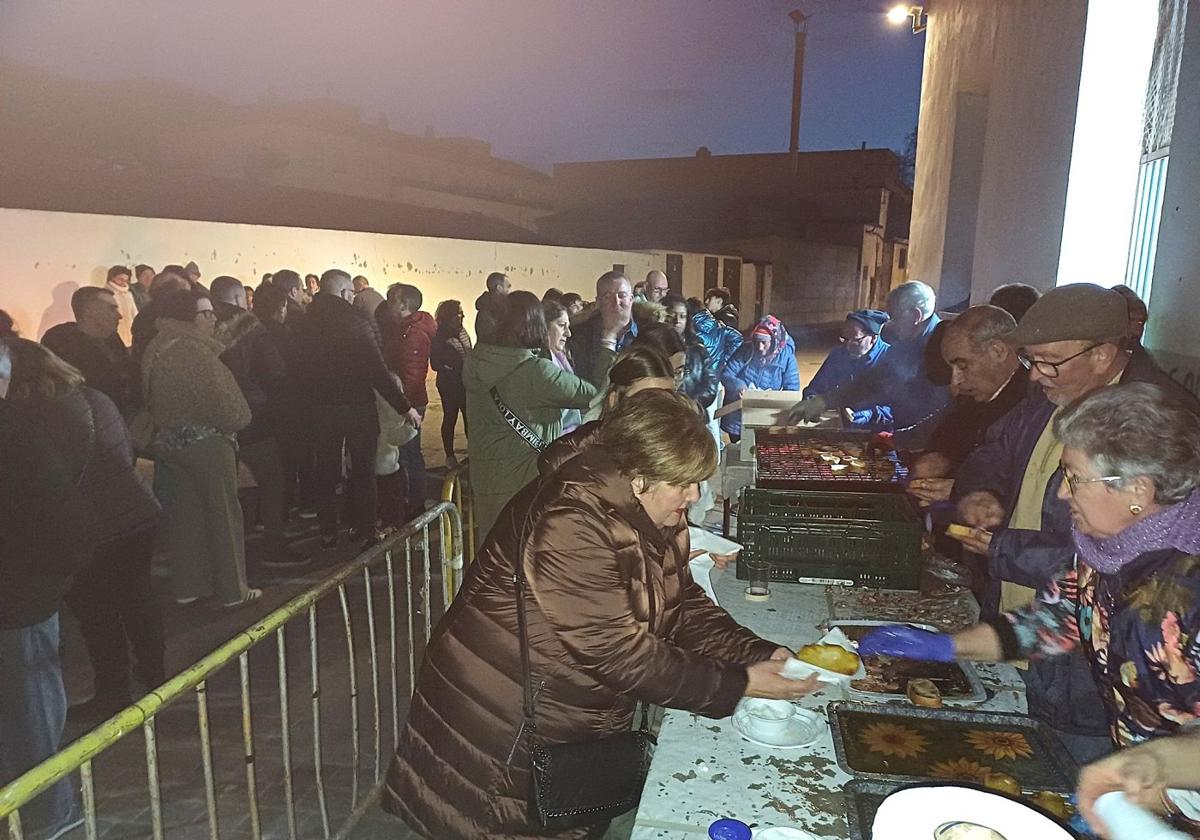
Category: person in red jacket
<point>407,338</point>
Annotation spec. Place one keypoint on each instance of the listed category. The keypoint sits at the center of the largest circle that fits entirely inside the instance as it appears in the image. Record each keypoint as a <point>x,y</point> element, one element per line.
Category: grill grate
<point>828,460</point>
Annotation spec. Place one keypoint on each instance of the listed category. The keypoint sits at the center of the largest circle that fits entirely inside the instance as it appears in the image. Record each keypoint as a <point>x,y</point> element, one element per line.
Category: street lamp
<point>902,12</point>
<point>801,20</point>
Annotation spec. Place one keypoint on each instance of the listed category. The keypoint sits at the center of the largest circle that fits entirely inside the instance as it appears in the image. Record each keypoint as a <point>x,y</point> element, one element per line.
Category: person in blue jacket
<point>718,339</point>
<point>767,362</point>
<point>861,349</point>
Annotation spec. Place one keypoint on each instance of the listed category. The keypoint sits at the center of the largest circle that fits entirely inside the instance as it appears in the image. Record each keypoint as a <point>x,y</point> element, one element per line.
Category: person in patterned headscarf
<point>766,362</point>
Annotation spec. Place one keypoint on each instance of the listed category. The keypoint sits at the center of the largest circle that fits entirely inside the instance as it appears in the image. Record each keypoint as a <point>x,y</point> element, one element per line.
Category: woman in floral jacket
<point>1131,599</point>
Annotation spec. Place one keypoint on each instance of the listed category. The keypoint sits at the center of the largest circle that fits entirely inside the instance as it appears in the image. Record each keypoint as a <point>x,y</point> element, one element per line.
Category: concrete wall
<point>1024,56</point>
<point>45,256</point>
<point>1175,292</point>
<point>809,280</point>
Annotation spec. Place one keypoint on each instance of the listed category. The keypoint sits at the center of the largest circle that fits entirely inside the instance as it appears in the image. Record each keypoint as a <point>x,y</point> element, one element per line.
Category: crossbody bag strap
<point>516,423</point>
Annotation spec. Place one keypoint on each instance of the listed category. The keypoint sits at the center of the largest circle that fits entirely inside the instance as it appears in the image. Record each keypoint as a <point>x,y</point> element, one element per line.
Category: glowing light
<point>1106,152</point>
<point>898,14</point>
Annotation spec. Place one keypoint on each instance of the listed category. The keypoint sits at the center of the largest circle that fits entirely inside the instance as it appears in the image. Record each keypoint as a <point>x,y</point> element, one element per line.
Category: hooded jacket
<point>614,617</point>
<point>407,343</point>
<point>489,306</point>
<point>536,390</point>
<point>719,341</point>
<point>777,371</point>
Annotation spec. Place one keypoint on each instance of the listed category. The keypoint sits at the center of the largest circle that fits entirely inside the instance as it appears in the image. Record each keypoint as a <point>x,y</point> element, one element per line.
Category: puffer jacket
<point>407,343</point>
<point>85,426</point>
<point>720,341</point>
<point>699,381</point>
<point>44,536</point>
<point>777,371</point>
<point>536,390</point>
<point>187,386</point>
<point>614,618</point>
<point>252,356</point>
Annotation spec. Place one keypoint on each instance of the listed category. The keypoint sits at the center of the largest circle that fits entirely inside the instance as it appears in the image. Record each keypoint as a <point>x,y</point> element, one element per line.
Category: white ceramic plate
<point>920,811</point>
<point>803,728</point>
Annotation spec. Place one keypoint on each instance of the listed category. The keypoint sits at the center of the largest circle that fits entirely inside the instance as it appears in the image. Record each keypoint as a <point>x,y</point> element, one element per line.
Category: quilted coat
<point>594,562</point>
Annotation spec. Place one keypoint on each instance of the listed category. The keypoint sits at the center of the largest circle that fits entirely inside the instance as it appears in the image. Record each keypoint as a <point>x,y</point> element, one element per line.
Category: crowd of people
<point>1037,421</point>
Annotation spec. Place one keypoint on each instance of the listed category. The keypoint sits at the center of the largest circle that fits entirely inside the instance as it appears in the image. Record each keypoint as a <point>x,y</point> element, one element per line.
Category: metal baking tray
<point>977,693</point>
<point>863,798</point>
<point>778,469</point>
<point>1049,767</point>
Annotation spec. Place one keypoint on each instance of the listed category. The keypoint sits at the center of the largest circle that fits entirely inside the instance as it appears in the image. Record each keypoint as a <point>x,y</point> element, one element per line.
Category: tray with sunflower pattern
<point>901,743</point>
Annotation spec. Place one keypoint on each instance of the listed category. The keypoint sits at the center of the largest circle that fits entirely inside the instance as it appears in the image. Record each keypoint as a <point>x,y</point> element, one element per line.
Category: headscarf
<point>772,327</point>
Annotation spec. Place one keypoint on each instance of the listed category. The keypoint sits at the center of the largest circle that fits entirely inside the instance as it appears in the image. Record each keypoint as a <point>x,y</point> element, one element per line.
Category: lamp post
<point>801,21</point>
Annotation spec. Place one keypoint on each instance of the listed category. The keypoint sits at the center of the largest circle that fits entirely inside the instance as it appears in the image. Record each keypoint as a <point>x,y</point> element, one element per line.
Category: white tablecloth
<point>703,770</point>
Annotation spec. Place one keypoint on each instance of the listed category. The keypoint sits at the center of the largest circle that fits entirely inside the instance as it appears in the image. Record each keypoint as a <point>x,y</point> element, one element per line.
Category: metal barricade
<point>456,489</point>
<point>275,793</point>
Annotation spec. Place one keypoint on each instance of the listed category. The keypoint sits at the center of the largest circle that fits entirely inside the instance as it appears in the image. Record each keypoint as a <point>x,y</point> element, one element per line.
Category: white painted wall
<point>1025,57</point>
<point>1171,334</point>
<point>45,256</point>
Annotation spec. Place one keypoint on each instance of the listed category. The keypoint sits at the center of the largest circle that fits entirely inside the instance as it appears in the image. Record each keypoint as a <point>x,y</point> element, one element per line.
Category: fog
<point>541,80</point>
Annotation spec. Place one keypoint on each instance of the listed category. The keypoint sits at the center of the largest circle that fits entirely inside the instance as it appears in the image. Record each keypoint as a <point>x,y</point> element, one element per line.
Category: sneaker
<point>286,558</point>
<point>250,596</point>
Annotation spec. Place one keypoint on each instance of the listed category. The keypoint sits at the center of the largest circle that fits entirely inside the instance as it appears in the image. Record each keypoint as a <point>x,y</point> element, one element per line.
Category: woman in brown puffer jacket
<point>614,618</point>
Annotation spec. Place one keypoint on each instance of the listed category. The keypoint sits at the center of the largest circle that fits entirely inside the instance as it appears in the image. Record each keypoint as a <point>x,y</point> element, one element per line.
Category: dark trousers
<point>299,463</point>
<point>356,428</point>
<point>263,461</point>
<point>114,601</point>
<point>412,461</point>
<point>393,499</point>
<point>454,403</point>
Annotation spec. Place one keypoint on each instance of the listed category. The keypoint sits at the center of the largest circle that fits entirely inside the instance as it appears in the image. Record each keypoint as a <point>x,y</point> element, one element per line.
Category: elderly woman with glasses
<point>1131,597</point>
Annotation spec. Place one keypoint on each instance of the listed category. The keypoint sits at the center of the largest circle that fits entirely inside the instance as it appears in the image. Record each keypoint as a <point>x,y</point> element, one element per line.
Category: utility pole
<point>801,21</point>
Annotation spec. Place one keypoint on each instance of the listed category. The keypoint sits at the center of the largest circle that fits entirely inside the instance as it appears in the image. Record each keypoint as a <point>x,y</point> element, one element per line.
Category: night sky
<point>542,80</point>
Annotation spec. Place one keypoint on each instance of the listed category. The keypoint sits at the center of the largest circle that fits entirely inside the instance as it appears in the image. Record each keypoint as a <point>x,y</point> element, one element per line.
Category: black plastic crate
<point>852,539</point>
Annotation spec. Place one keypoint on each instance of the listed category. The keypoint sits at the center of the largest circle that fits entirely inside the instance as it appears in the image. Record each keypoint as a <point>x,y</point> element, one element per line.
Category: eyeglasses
<point>1074,482</point>
<point>842,339</point>
<point>1050,369</point>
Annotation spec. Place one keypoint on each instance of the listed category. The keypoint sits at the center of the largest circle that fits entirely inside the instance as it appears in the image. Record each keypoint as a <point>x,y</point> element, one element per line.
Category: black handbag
<point>583,782</point>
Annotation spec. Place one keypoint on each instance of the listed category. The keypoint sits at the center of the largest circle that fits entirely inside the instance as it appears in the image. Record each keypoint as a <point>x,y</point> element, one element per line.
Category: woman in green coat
<point>515,400</point>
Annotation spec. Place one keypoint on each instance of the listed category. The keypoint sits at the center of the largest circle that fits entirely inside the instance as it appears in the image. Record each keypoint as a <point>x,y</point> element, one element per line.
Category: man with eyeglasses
<point>860,348</point>
<point>1071,341</point>
<point>596,339</point>
<point>901,381</point>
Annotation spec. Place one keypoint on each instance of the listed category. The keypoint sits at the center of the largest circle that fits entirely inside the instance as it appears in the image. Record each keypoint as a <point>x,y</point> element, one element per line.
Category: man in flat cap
<point>1072,341</point>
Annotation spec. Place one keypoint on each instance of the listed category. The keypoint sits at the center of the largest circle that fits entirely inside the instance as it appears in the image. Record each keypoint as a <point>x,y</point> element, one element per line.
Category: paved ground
<point>122,800</point>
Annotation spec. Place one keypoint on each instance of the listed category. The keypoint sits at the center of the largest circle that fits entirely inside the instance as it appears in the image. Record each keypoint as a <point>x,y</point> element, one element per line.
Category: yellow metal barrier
<point>456,489</point>
<point>413,544</point>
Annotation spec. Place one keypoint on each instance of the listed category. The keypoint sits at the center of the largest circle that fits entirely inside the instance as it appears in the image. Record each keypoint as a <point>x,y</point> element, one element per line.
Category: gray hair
<point>914,295</point>
<point>1136,430</point>
<point>983,324</point>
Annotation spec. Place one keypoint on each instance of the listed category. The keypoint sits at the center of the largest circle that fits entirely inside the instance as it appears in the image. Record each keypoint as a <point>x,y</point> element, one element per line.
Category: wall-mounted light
<point>899,14</point>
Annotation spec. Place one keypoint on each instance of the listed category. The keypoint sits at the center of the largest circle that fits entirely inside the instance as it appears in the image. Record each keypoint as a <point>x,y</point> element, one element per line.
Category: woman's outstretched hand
<point>904,642</point>
<point>764,680</point>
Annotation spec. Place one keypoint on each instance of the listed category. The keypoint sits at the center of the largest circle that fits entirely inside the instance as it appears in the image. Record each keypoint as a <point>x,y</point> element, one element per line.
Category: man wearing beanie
<point>1072,342</point>
<point>861,349</point>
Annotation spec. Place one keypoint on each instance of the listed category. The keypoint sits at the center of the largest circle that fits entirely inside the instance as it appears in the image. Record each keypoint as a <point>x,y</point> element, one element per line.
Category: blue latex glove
<point>861,418</point>
<point>904,642</point>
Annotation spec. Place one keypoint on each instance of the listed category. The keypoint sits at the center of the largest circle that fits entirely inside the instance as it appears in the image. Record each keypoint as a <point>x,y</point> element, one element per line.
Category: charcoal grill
<point>780,465</point>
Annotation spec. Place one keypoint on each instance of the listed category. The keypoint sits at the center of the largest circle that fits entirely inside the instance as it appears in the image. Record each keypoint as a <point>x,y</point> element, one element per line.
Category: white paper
<point>704,570</point>
<point>796,669</point>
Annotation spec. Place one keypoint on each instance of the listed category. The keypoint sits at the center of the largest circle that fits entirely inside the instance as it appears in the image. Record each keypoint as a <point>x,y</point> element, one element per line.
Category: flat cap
<point>1077,312</point>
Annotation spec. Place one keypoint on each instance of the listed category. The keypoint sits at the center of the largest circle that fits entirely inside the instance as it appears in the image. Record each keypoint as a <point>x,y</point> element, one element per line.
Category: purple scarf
<point>1176,526</point>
